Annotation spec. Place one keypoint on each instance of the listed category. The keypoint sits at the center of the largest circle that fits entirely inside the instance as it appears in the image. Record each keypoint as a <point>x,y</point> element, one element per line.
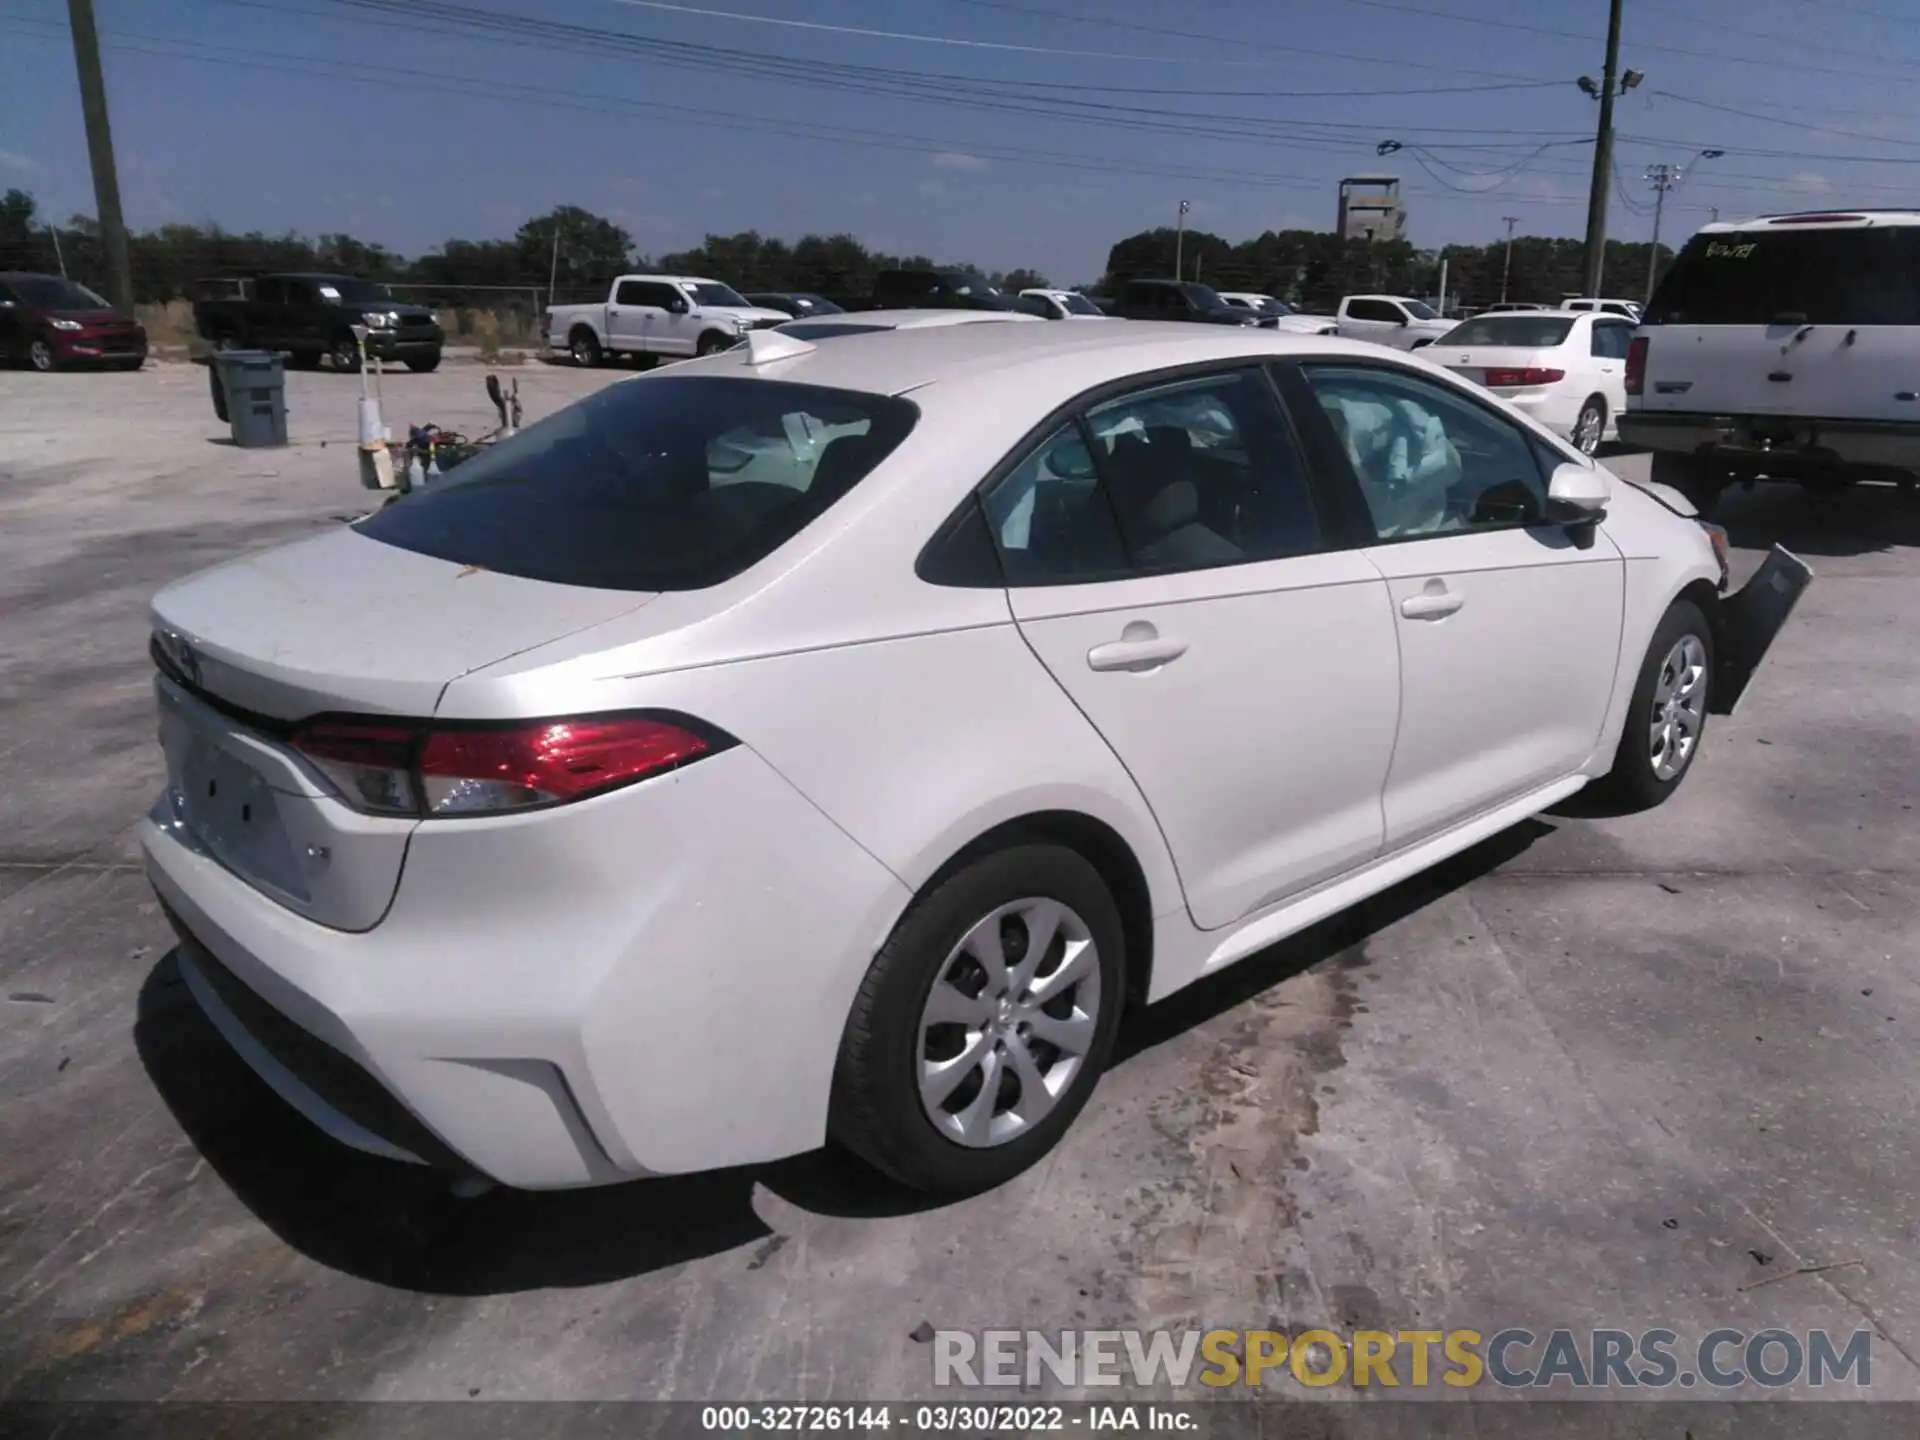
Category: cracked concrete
<point>1581,1076</point>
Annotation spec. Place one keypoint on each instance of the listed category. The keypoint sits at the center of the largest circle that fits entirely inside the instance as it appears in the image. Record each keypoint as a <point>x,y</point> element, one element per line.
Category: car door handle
<point>1136,652</point>
<point>1433,604</point>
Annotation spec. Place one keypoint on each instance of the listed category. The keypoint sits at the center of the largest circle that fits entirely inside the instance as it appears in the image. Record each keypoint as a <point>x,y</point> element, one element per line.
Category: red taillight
<point>1637,364</point>
<point>548,761</point>
<point>1511,378</point>
<point>398,768</point>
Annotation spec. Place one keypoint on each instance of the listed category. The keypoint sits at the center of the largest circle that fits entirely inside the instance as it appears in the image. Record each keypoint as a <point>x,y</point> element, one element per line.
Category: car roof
<point>1019,359</point>
<point>1814,219</point>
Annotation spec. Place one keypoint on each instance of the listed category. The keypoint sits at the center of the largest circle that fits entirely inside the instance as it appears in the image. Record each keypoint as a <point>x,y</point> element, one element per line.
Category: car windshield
<point>1078,304</point>
<point>1270,306</point>
<point>664,483</point>
<point>1204,296</point>
<point>816,305</point>
<point>354,292</point>
<point>1420,311</point>
<point>1857,276</point>
<point>47,293</point>
<point>1522,331</point>
<point>712,292</point>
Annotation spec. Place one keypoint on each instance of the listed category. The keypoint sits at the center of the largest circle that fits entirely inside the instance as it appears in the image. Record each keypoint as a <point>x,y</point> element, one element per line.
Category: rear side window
<point>1611,339</point>
<point>1526,332</point>
<point>1794,277</point>
<point>657,484</point>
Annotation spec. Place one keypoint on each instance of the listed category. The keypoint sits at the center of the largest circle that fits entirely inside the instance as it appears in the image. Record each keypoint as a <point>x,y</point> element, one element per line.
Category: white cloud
<point>16,160</point>
<point>1809,182</point>
<point>960,160</point>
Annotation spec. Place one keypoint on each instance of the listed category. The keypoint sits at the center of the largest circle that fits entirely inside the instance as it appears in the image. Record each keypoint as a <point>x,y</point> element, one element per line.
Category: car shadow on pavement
<point>1347,931</point>
<point>1856,520</point>
<point>400,1225</point>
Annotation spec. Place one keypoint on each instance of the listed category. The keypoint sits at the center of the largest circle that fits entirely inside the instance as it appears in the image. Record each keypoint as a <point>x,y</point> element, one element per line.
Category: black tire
<point>1589,426</point>
<point>1701,482</point>
<point>1634,784</point>
<point>584,346</point>
<point>345,354</point>
<point>876,1111</point>
<point>713,342</point>
<point>424,364</point>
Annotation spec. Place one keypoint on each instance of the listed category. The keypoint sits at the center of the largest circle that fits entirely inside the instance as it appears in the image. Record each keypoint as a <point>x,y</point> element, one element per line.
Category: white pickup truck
<point>657,315</point>
<point>1389,320</point>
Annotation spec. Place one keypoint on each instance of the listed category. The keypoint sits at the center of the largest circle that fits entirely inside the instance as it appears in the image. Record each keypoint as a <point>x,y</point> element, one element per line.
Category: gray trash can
<point>254,384</point>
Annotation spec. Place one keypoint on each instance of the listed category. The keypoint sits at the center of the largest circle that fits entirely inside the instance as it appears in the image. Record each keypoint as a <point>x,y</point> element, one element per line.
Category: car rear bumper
<point>1776,444</point>
<point>653,981</point>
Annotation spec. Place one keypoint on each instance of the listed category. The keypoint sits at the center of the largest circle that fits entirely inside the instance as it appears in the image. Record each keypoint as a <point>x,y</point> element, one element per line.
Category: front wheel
<point>713,342</point>
<point>40,355</point>
<point>1667,716</point>
<point>345,354</point>
<point>424,364</point>
<point>984,1022</point>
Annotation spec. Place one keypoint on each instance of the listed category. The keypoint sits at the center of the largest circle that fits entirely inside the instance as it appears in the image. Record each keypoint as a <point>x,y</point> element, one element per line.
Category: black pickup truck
<point>312,316</point>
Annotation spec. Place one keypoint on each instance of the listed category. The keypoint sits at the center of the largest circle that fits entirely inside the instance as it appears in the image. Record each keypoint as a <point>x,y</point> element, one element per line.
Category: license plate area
<point>233,813</point>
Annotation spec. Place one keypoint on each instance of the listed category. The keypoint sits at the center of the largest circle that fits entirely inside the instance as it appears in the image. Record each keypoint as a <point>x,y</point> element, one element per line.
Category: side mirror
<point>678,305</point>
<point>1578,494</point>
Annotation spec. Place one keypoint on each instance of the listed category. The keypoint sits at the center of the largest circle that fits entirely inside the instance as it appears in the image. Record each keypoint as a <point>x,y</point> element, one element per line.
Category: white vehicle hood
<point>746,314</point>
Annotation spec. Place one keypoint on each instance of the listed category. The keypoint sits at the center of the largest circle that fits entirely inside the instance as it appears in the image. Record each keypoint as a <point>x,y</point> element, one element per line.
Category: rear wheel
<point>1667,717</point>
<point>584,346</point>
<point>1590,426</point>
<point>713,342</point>
<point>984,1022</point>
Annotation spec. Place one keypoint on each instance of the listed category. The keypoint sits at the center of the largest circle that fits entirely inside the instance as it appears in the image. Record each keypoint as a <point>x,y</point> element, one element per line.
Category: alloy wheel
<point>1679,707</point>
<point>1586,430</point>
<point>40,355</point>
<point>1008,1022</point>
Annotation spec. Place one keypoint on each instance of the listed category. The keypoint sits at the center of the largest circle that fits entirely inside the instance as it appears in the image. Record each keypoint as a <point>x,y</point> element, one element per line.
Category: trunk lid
<point>339,623</point>
<point>1472,362</point>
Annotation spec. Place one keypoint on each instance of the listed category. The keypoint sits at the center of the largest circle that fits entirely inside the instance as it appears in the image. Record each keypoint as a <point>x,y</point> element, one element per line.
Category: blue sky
<point>299,115</point>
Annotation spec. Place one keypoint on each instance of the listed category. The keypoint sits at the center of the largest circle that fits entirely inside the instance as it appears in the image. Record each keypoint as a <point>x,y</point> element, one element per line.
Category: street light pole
<point>1506,265</point>
<point>106,179</point>
<point>1179,238</point>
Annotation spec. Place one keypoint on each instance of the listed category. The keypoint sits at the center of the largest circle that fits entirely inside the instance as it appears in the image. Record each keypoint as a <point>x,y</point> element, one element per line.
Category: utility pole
<point>106,180</point>
<point>1506,265</point>
<point>1443,282</point>
<point>1179,238</point>
<point>553,268</point>
<point>1663,178</point>
<point>1603,149</point>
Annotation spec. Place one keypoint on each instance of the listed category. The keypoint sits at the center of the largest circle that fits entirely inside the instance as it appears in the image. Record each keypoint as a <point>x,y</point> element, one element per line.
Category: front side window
<point>1429,461</point>
<point>1204,472</point>
<point>665,483</point>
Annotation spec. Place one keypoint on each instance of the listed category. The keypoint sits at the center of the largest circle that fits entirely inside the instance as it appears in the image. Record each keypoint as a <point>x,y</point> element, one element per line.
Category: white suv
<point>1786,347</point>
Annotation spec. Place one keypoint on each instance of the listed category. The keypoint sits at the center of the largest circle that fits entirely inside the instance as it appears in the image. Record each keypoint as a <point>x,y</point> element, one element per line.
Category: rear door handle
<point>1136,651</point>
<point>1435,603</point>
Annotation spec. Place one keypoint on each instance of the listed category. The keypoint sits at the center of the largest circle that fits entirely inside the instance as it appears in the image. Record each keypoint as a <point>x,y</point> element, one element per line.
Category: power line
<point>1243,42</point>
<point>1798,41</point>
<point>1789,124</point>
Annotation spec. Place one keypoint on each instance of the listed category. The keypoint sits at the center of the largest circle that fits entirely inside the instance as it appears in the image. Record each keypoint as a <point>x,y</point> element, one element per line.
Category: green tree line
<point>573,253</point>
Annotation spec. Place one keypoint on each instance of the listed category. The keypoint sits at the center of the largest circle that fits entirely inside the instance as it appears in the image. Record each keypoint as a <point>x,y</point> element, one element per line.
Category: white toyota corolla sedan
<point>830,742</point>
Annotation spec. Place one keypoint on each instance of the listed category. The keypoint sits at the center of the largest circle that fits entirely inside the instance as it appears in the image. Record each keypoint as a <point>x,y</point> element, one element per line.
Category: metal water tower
<point>1370,208</point>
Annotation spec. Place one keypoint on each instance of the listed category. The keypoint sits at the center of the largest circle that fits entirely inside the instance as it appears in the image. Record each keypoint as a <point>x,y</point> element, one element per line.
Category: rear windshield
<point>653,484</point>
<point>1794,277</point>
<point>827,329</point>
<point>1521,331</point>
